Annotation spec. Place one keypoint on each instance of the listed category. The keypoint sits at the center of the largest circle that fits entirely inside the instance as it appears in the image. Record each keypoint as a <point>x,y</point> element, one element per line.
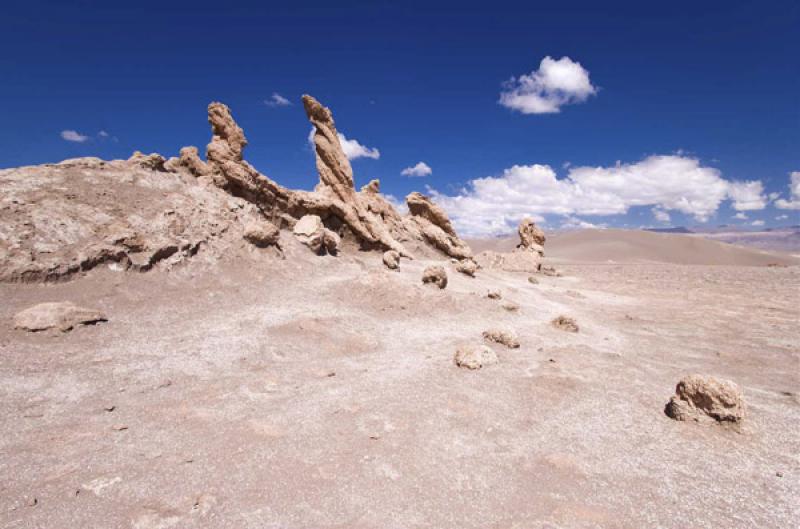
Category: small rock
<point>119,427</point>
<point>697,397</point>
<point>109,408</point>
<point>532,280</point>
<point>494,294</point>
<point>467,267</point>
<point>62,316</point>
<point>262,233</point>
<point>565,324</point>
<point>475,357</point>
<point>511,306</point>
<point>549,271</point>
<point>391,259</point>
<point>435,275</point>
<point>503,337</point>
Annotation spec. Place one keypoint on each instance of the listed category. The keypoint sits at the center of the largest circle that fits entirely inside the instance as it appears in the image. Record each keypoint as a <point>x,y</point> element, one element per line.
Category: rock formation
<point>147,210</point>
<point>565,324</point>
<point>698,397</point>
<point>60,315</point>
<point>475,356</point>
<point>435,275</point>
<point>502,336</point>
<point>467,267</point>
<point>527,257</point>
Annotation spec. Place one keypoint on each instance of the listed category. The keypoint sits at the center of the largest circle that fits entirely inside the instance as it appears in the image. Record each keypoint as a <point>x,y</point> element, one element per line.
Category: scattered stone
<point>59,315</point>
<point>262,233</point>
<point>391,259</point>
<point>467,267</point>
<point>436,275</point>
<point>109,407</point>
<point>504,337</point>
<point>310,231</point>
<point>475,357</point>
<point>511,306</point>
<point>119,427</point>
<point>698,397</point>
<point>494,294</point>
<point>549,271</point>
<point>565,324</point>
<point>532,280</point>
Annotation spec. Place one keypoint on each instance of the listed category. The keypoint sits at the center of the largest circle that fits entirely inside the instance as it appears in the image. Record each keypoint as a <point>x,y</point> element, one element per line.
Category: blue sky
<point>667,113</point>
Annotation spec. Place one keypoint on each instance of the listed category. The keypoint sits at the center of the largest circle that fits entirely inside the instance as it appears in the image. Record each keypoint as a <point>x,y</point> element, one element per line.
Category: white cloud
<point>352,149</point>
<point>574,223</point>
<point>544,91</point>
<point>103,134</point>
<point>747,196</point>
<point>495,204</point>
<point>421,169</point>
<point>399,205</point>
<point>661,215</point>
<point>757,223</point>
<point>794,193</point>
<point>741,216</point>
<point>277,100</point>
<point>782,217</point>
<point>71,135</point>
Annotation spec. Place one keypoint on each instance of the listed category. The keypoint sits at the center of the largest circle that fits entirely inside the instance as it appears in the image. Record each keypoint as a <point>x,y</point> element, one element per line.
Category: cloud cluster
<point>421,169</point>
<point>495,204</point>
<point>74,136</point>
<point>277,100</point>
<point>351,148</point>
<point>556,83</point>
<point>794,193</point>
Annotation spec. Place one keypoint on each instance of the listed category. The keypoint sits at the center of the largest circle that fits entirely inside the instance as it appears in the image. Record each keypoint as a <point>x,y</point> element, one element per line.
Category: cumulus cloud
<point>757,223</point>
<point>574,223</point>
<point>661,215</point>
<point>544,91</point>
<point>277,100</point>
<point>495,204</point>
<point>352,149</point>
<point>741,216</point>
<point>103,134</point>
<point>421,169</point>
<point>747,196</point>
<point>794,193</point>
<point>74,136</point>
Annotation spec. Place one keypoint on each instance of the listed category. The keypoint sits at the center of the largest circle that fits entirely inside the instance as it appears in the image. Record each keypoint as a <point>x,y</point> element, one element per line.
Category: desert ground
<point>320,391</point>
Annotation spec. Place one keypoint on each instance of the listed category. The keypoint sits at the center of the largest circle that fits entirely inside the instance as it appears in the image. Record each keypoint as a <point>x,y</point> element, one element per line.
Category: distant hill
<point>677,229</point>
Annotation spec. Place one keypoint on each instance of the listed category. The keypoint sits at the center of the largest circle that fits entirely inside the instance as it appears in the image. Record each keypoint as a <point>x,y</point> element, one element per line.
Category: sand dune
<point>634,246</point>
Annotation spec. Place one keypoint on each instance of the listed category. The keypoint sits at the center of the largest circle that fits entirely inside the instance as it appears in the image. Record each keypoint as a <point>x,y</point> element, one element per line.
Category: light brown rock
<point>262,233</point>
<point>549,271</point>
<point>531,237</point>
<point>516,261</point>
<point>310,231</point>
<point>467,267</point>
<point>391,259</point>
<point>435,275</point>
<point>510,306</point>
<point>56,315</point>
<point>502,336</point>
<point>154,161</point>
<point>698,397</point>
<point>475,356</point>
<point>565,324</point>
<point>494,294</point>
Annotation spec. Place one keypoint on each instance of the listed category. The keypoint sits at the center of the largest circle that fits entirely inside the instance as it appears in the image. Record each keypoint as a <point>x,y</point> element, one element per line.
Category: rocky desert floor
<point>321,392</point>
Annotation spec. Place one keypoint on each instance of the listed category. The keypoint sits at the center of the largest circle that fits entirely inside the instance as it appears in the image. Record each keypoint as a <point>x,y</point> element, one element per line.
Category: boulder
<point>475,356</point>
<point>56,315</point>
<point>262,233</point>
<point>699,397</point>
<point>467,267</point>
<point>310,231</point>
<point>435,275</point>
<point>391,259</point>
<point>502,336</point>
<point>565,324</point>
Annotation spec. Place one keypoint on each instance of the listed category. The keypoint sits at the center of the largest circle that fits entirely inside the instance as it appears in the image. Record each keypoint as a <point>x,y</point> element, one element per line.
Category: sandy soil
<point>321,392</point>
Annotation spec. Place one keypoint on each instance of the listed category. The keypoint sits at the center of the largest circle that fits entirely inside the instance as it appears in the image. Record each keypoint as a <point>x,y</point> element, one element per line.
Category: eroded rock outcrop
<point>429,222</point>
<point>699,397</point>
<point>62,316</point>
<point>531,236</point>
<point>526,257</point>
